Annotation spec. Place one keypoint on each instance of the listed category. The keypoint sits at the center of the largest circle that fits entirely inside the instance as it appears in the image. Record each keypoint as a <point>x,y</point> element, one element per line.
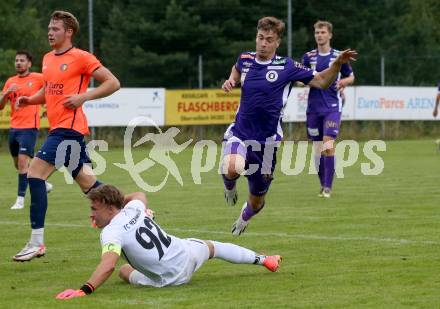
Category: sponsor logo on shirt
<point>279,61</point>
<point>54,89</point>
<point>247,64</point>
<point>63,67</point>
<point>246,56</point>
<point>301,66</point>
<point>275,67</point>
<point>271,76</point>
<point>331,124</point>
<point>245,70</point>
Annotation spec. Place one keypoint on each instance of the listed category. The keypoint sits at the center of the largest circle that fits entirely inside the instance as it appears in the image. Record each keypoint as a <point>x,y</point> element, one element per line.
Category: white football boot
<point>49,187</point>
<point>29,252</point>
<point>19,203</point>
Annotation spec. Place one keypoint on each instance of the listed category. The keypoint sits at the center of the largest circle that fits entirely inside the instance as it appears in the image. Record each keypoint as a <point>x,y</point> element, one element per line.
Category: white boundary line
<point>266,234</point>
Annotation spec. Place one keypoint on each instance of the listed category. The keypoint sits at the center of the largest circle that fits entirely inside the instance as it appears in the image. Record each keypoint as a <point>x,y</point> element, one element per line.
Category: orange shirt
<point>27,117</point>
<point>65,74</point>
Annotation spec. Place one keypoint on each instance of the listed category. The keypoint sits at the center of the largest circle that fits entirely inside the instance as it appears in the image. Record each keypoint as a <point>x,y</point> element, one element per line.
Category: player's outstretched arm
<point>100,275</point>
<point>324,79</point>
<point>232,81</point>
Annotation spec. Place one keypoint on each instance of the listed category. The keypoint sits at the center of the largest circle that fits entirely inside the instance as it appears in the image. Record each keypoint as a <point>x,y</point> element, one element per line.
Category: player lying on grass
<point>154,258</point>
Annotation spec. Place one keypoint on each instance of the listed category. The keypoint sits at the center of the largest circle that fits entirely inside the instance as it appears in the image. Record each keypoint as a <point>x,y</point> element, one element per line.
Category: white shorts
<point>198,253</point>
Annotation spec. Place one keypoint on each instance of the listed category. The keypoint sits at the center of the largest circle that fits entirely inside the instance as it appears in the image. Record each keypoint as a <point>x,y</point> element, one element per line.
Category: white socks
<point>235,254</point>
<point>37,237</point>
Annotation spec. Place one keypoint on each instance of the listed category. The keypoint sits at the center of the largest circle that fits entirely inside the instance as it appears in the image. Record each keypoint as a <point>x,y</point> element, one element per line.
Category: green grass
<point>374,244</point>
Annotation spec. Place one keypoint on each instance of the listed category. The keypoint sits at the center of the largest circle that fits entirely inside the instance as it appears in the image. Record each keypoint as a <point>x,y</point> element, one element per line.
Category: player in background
<point>251,140</point>
<point>66,73</point>
<point>24,122</point>
<point>324,108</point>
<point>437,101</point>
<point>155,258</point>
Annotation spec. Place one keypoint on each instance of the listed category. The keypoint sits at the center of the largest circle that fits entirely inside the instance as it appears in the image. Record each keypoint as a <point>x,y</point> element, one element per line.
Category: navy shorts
<point>323,124</point>
<point>64,147</point>
<point>22,141</point>
<point>260,164</point>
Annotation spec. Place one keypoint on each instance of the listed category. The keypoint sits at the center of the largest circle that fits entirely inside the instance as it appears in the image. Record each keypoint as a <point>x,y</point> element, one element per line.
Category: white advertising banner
<point>126,104</point>
<point>296,107</point>
<point>395,103</point>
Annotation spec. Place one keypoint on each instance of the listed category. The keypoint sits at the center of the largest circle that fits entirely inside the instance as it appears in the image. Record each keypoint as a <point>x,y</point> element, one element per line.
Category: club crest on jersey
<point>271,76</point>
<point>63,67</point>
<point>29,84</point>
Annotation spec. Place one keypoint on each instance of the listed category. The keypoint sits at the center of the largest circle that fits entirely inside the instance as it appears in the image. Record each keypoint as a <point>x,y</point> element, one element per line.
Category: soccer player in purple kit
<point>437,101</point>
<point>250,142</point>
<point>324,106</point>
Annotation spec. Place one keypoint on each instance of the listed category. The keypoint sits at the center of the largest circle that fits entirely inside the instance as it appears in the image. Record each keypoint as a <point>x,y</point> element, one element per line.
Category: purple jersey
<point>324,100</point>
<point>438,87</point>
<point>265,87</point>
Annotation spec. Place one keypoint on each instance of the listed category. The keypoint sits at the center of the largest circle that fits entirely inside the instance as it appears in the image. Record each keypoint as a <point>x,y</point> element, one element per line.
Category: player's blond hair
<point>324,24</point>
<point>68,19</point>
<point>271,23</point>
<point>108,195</point>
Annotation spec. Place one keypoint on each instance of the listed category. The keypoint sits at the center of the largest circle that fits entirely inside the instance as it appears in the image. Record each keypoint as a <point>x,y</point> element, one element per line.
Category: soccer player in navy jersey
<point>324,106</point>
<point>250,142</point>
<point>437,101</point>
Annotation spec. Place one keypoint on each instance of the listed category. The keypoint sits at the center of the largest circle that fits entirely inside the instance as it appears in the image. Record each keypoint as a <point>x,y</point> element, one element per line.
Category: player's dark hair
<point>324,24</point>
<point>26,53</point>
<point>68,19</point>
<point>107,194</point>
<point>271,23</point>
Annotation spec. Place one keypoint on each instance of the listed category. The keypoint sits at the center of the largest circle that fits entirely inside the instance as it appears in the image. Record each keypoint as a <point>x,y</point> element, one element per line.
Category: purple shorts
<point>260,164</point>
<point>323,124</point>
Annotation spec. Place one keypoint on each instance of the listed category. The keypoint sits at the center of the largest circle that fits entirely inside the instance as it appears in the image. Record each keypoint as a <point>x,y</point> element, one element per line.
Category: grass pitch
<point>374,244</point>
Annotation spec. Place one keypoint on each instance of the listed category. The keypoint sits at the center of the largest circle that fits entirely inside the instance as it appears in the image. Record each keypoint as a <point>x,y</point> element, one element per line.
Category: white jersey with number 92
<point>147,248</point>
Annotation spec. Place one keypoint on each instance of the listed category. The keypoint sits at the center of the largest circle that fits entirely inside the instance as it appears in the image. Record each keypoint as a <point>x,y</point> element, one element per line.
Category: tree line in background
<point>156,43</point>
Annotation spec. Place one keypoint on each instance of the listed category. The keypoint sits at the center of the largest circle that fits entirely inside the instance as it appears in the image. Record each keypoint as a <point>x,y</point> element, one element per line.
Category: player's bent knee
<point>233,165</point>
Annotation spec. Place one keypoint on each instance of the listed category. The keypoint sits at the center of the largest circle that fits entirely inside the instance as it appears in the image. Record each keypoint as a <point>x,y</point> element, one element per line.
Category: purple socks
<point>329,171</point>
<point>248,212</point>
<point>229,183</point>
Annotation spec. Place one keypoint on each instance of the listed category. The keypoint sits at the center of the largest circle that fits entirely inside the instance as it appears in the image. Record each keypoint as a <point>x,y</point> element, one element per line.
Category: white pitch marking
<point>255,234</point>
